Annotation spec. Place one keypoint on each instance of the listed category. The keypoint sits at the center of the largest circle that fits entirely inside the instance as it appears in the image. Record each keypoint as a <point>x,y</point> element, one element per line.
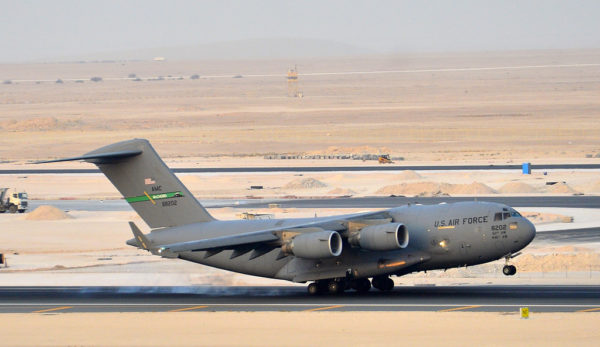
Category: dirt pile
<point>517,187</point>
<point>468,189</point>
<point>541,218</point>
<point>304,183</point>
<point>341,191</point>
<point>435,189</point>
<point>412,189</point>
<point>561,188</point>
<point>407,175</point>
<point>47,212</point>
<point>563,261</point>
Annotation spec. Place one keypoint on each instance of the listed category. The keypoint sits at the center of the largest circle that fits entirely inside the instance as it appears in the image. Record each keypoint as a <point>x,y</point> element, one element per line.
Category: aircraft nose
<point>529,230</point>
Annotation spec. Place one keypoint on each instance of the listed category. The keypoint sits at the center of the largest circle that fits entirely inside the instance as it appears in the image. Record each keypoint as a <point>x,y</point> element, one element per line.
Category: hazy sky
<point>34,30</point>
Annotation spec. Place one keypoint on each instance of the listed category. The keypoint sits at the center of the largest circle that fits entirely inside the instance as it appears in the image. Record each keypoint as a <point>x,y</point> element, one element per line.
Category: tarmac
<point>490,298</point>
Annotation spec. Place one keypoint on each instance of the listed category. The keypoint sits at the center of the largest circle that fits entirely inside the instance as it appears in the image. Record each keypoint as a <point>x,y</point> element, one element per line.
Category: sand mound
<point>47,212</point>
<point>407,175</point>
<point>516,187</point>
<point>304,183</point>
<point>341,191</point>
<point>576,261</point>
<point>541,218</point>
<point>413,189</point>
<point>561,188</point>
<point>435,189</point>
<point>472,188</point>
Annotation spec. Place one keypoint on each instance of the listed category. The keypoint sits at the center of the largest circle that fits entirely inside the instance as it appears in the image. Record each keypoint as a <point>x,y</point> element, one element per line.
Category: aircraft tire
<point>363,285</point>
<point>509,270</point>
<point>333,287</point>
<point>313,289</point>
<point>383,283</point>
<point>388,284</point>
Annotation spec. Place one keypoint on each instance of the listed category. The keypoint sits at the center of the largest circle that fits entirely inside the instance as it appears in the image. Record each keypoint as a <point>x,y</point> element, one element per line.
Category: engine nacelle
<point>315,245</point>
<point>381,237</point>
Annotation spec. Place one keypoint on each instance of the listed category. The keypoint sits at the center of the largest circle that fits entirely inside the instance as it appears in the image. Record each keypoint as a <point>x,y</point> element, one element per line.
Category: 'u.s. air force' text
<point>459,221</point>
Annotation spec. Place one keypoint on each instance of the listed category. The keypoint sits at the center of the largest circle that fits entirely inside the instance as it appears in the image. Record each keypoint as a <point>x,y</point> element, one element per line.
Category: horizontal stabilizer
<point>99,158</point>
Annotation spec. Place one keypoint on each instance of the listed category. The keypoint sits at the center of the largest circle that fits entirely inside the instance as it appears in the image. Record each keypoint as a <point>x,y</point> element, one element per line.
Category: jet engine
<point>315,245</point>
<point>381,237</point>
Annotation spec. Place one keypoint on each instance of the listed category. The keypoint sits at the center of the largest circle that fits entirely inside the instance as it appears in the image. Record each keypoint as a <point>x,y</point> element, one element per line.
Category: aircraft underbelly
<point>266,265</point>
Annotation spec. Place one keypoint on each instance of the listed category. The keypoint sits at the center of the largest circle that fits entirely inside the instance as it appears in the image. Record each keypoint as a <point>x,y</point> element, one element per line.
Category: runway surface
<point>323,169</point>
<point>294,298</point>
<point>366,202</point>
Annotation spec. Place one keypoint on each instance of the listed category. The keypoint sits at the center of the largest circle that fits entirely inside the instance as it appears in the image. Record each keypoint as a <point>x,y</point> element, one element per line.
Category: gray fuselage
<point>440,237</point>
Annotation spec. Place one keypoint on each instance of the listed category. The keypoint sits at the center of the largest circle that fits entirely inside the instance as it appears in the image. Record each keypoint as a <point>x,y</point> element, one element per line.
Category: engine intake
<point>381,237</point>
<point>315,245</point>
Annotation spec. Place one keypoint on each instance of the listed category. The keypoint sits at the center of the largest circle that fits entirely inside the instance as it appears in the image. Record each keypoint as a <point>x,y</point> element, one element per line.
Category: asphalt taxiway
<point>490,298</point>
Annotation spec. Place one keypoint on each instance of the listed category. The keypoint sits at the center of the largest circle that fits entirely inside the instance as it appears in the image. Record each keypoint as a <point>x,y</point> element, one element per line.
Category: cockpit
<point>506,213</point>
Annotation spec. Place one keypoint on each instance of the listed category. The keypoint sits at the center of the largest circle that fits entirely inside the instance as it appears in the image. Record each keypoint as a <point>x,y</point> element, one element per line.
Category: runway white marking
<point>339,73</point>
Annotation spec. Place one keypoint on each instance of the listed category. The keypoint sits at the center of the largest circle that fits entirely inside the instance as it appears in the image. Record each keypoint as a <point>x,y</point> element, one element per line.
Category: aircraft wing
<point>262,236</point>
<point>221,242</point>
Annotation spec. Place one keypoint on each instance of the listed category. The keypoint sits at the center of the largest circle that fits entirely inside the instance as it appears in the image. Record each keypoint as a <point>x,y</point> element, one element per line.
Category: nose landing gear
<point>509,270</point>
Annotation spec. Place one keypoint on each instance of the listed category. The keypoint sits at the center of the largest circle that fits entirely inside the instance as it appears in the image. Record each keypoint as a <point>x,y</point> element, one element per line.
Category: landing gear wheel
<point>313,289</point>
<point>509,270</point>
<point>12,209</point>
<point>363,285</point>
<point>334,287</point>
<point>388,284</point>
<point>383,283</point>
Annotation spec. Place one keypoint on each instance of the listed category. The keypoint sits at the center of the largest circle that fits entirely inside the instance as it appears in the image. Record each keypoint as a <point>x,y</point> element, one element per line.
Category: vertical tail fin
<point>147,184</point>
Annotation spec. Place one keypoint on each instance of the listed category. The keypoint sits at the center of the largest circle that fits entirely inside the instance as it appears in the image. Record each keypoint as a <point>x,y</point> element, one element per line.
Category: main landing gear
<point>360,285</point>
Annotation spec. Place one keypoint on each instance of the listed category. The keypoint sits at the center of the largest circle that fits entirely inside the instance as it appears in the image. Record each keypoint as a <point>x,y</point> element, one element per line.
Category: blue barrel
<point>526,168</point>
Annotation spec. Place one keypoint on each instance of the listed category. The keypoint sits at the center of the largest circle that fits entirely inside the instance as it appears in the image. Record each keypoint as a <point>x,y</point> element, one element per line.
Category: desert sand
<point>481,116</point>
<point>291,329</point>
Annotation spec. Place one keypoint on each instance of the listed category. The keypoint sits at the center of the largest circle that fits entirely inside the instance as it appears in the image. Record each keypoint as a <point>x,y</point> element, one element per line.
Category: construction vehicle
<point>292,82</point>
<point>12,201</point>
<point>384,159</point>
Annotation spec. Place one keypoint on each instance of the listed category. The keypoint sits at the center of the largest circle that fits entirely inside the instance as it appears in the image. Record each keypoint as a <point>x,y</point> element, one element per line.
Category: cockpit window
<point>506,215</point>
<point>515,214</point>
<point>498,216</point>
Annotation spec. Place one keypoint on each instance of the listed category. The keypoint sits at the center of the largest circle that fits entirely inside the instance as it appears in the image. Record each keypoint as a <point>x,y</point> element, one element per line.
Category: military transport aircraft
<point>333,253</point>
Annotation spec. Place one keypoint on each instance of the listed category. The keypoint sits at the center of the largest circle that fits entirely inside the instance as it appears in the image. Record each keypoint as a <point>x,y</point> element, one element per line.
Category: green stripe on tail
<point>154,197</point>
